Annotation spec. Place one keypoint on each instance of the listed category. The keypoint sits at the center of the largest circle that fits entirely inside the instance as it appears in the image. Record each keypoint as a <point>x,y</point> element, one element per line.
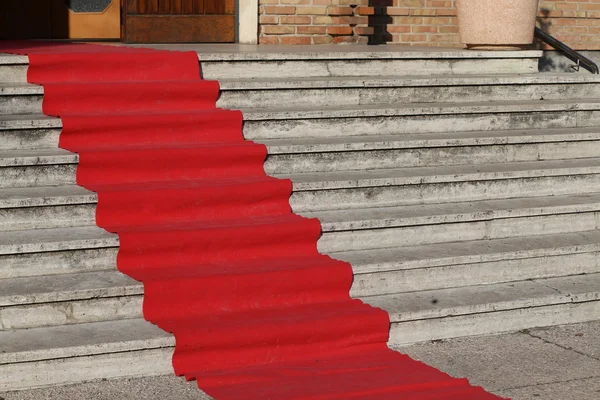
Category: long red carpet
<point>256,311</point>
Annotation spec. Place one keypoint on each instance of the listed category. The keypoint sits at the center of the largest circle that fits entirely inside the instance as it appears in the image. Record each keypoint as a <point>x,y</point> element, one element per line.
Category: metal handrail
<point>571,54</point>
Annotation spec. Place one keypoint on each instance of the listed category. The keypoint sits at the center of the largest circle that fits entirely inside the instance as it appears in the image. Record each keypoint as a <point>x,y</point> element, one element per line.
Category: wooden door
<point>179,21</point>
<point>93,19</point>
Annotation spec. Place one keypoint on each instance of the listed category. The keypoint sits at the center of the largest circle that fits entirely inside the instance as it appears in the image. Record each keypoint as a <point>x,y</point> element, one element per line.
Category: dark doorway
<point>60,19</point>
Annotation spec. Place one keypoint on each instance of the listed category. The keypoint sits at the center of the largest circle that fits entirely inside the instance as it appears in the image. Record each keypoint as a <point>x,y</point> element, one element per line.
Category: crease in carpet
<point>256,311</point>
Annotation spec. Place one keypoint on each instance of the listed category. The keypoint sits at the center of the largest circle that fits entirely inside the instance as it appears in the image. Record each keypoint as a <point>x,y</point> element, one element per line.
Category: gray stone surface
<point>57,239</point>
<point>578,389</point>
<point>553,61</point>
<point>58,262</point>
<point>149,388</point>
<point>79,340</point>
<point>515,365</point>
<point>582,338</point>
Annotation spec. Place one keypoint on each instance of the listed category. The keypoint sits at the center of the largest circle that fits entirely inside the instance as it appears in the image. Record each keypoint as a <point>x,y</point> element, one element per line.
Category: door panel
<point>93,19</point>
<point>59,19</point>
<point>179,21</point>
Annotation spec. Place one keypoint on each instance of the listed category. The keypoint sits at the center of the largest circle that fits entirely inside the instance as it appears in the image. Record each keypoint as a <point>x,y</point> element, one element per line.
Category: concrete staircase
<point>463,187</point>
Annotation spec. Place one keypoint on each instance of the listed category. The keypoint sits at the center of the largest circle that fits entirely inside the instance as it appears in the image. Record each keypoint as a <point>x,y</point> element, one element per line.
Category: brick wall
<point>415,22</point>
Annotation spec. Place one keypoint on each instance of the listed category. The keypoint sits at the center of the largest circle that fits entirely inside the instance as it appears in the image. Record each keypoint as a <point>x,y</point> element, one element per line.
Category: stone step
<point>305,61</point>
<point>490,309</point>
<point>55,240</point>
<point>279,62</point>
<point>477,262</point>
<point>83,352</point>
<point>23,139</point>
<point>46,196</point>
<point>72,261</point>
<point>374,152</point>
<point>13,68</point>
<point>23,207</point>
<point>63,299</point>
<point>62,353</point>
<point>37,167</point>
<point>393,119</point>
<point>385,119</point>
<point>13,122</point>
<point>45,207</point>
<point>361,228</point>
<point>433,149</point>
<point>340,91</point>
<point>22,98</point>
<point>451,184</point>
<point>404,226</point>
<point>356,143</point>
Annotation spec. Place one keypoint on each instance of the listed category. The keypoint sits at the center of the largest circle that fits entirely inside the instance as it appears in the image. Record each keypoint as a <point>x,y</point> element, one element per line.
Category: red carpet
<point>256,311</point>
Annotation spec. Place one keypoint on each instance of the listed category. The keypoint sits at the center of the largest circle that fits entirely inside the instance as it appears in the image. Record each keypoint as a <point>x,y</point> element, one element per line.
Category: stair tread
<point>28,121</point>
<point>45,196</point>
<point>365,110</point>
<point>466,300</point>
<point>23,157</point>
<point>455,173</point>
<point>54,239</point>
<point>469,252</point>
<point>376,142</point>
<point>11,59</point>
<point>19,88</point>
<point>406,81</point>
<point>386,109</point>
<point>421,214</point>
<point>65,287</point>
<point>81,340</point>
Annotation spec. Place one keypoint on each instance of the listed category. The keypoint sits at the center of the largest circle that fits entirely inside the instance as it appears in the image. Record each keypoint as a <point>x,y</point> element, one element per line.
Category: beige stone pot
<point>496,24</point>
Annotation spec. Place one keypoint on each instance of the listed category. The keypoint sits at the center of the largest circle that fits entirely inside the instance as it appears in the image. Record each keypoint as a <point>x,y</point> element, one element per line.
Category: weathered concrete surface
<point>150,388</point>
<point>520,366</point>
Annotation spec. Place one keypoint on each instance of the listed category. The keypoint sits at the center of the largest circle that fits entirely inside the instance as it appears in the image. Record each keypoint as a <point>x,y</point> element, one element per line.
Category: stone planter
<point>496,24</point>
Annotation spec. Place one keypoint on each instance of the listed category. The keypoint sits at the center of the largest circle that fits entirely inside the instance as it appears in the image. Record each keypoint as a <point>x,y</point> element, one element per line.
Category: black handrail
<point>571,54</point>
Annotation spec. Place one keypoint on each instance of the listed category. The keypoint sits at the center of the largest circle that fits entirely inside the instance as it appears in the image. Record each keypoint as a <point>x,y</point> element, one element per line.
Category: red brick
<point>268,40</point>
<point>311,30</point>
<point>340,11</point>
<point>284,10</point>
<point>295,20</point>
<point>295,40</point>
<point>339,30</point>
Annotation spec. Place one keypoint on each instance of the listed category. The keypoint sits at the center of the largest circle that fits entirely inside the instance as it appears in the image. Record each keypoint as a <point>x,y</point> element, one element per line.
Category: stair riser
<point>449,276</point>
<point>328,97</point>
<point>70,312</point>
<point>490,323</point>
<point>385,196</point>
<point>21,104</point>
<point>29,139</point>
<point>61,371</point>
<point>402,95</point>
<point>41,247</point>
<point>14,73</point>
<point>57,262</point>
<point>456,232</point>
<point>38,175</point>
<point>428,157</point>
<point>334,127</point>
<point>47,217</point>
<point>362,67</point>
<point>277,164</point>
